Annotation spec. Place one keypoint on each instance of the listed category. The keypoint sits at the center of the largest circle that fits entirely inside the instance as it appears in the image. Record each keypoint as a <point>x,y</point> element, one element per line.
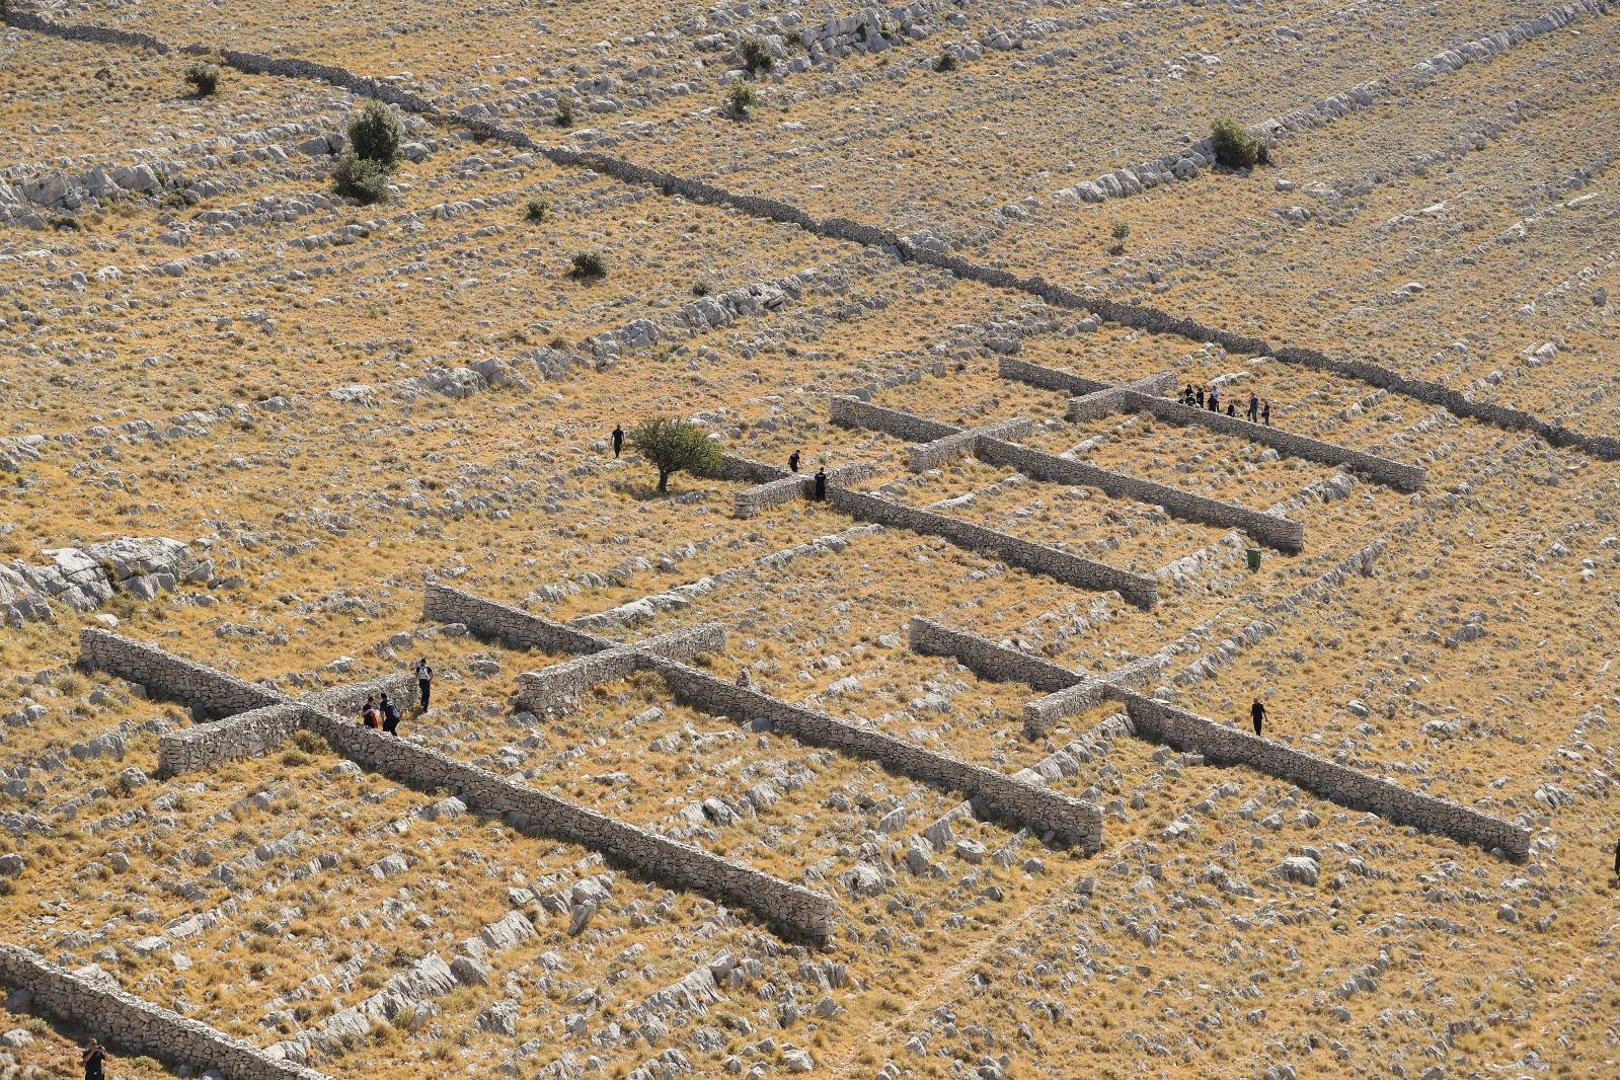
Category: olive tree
<point>675,446</point>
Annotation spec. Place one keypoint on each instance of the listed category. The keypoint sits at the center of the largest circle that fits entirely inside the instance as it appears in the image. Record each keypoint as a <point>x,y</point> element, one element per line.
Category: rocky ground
<point>245,418</point>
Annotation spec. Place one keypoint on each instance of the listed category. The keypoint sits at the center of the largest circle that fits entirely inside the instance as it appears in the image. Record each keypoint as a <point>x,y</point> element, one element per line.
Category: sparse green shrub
<point>740,99</point>
<point>204,79</point>
<point>756,55</point>
<point>565,113</point>
<point>308,742</point>
<point>700,287</point>
<point>1235,146</point>
<point>1122,230</point>
<point>360,178</point>
<point>675,446</point>
<point>589,266</point>
<point>375,134</point>
<point>947,62</point>
<point>536,210</point>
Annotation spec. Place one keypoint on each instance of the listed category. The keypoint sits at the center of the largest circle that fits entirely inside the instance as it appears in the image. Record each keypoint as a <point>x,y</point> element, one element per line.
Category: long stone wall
<point>1347,787</point>
<point>1268,529</point>
<point>775,485</point>
<point>1048,378</point>
<point>1044,713</point>
<point>210,692</point>
<point>931,455</point>
<point>503,623</point>
<point>251,734</point>
<point>1070,569</point>
<point>855,413</point>
<point>1385,471</point>
<point>987,659</point>
<point>551,687</point>
<point>790,907</point>
<point>999,796</point>
<point>1135,316</point>
<point>130,1025</point>
<point>1096,405</point>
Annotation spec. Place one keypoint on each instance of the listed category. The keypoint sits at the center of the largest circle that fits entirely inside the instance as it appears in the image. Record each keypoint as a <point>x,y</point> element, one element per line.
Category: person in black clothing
<point>1254,408</point>
<point>1265,414</point>
<point>1214,401</point>
<point>618,439</point>
<point>93,1057</point>
<point>1187,395</point>
<point>821,485</point>
<point>1231,408</point>
<point>424,681</point>
<point>390,713</point>
<point>1617,858</point>
<point>1200,397</point>
<point>1257,713</point>
<point>793,461</point>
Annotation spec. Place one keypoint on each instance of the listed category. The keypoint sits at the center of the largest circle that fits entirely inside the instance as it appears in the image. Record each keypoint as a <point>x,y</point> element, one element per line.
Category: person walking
<point>1215,401</point>
<point>793,461</point>
<point>94,1058</point>
<point>1231,408</point>
<point>618,439</point>
<point>1254,408</point>
<point>821,485</point>
<point>1257,713</point>
<point>1200,397</point>
<point>390,713</point>
<point>369,715</point>
<point>424,681</point>
<point>1265,414</point>
<point>1617,858</point>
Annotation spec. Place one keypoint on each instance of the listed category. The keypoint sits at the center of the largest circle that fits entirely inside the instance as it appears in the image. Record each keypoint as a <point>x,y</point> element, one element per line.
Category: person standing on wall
<point>793,461</point>
<point>1257,713</point>
<point>618,439</point>
<point>424,681</point>
<point>1254,408</point>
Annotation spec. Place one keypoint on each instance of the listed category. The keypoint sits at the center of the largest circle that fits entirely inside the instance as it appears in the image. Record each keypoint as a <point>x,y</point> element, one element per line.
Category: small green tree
<point>565,113</point>
<point>1235,146</point>
<point>360,178</point>
<point>589,266</point>
<point>375,134</point>
<point>675,446</point>
<point>537,210</point>
<point>204,79</point>
<point>756,55</point>
<point>740,99</point>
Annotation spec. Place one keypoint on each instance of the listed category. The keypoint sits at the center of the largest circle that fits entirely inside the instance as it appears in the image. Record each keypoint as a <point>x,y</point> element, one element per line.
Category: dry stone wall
<point>987,659</point>
<point>254,733</point>
<point>1268,529</point>
<point>209,692</point>
<point>790,907</point>
<point>1010,367</point>
<point>855,413</point>
<point>1347,787</point>
<point>1069,569</point>
<point>934,454</point>
<point>126,1023</point>
<point>775,485</point>
<point>503,623</point>
<point>1066,820</point>
<point>1095,406</point>
<point>1382,469</point>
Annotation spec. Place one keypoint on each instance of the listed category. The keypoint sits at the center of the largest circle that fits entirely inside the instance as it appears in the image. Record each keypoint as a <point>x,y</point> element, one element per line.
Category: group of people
<point>1259,412</point>
<point>382,713</point>
<point>820,477</point>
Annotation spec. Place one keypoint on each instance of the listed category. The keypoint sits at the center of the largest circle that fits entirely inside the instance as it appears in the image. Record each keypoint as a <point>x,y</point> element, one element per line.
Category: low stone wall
<point>209,692</point>
<point>779,903</point>
<point>254,733</point>
<point>1228,746</point>
<point>775,485</point>
<point>130,1025</point>
<point>1066,820</point>
<point>855,413</point>
<point>1385,471</point>
<point>1049,378</point>
<point>934,454</point>
<point>552,687</point>
<point>1268,529</point>
<point>1095,406</point>
<point>503,623</point>
<point>1043,714</point>
<point>1069,569</point>
<point>987,659</point>
<point>348,699</point>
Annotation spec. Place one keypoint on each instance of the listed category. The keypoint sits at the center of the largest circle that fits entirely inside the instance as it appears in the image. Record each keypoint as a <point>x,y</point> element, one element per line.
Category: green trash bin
<point>1254,559</point>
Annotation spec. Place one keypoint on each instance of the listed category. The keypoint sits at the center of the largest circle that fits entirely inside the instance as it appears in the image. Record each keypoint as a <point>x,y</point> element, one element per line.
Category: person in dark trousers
<point>1257,713</point>
<point>369,715</point>
<point>424,681</point>
<point>793,461</point>
<point>1231,408</point>
<point>1254,408</point>
<point>1200,397</point>
<point>1187,395</point>
<point>93,1057</point>
<point>821,485</point>
<point>618,439</point>
<point>1265,414</point>
<point>390,713</point>
<point>1617,858</point>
